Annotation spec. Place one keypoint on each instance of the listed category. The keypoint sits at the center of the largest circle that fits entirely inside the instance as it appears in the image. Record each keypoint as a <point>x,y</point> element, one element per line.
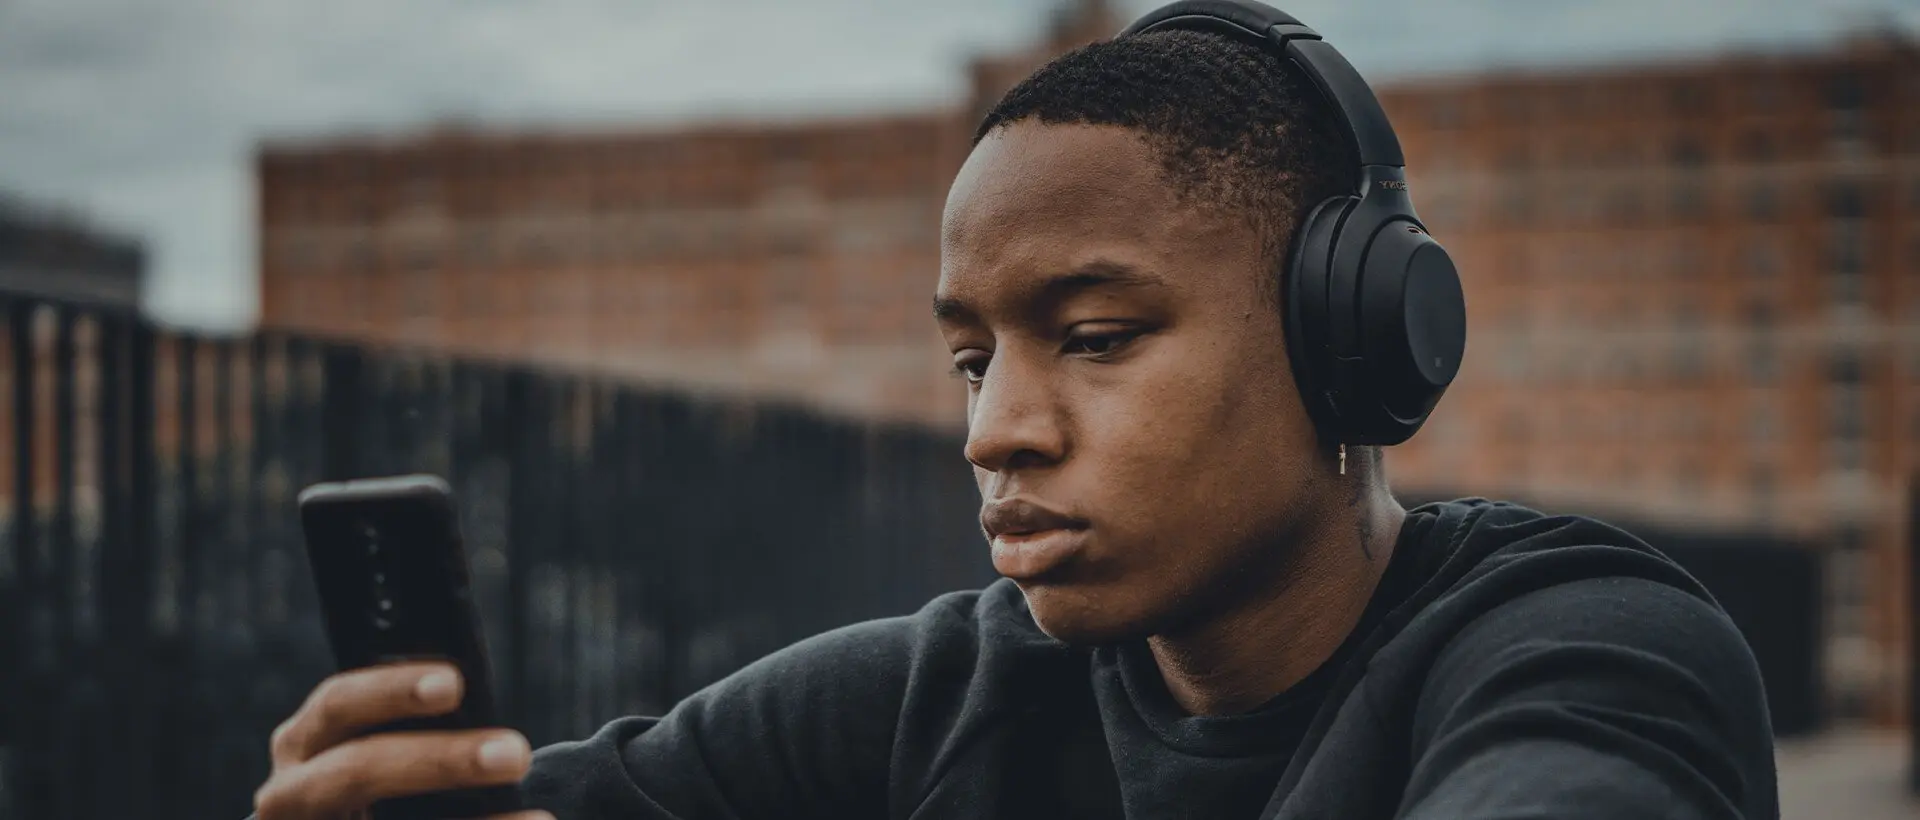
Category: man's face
<point>1140,448</point>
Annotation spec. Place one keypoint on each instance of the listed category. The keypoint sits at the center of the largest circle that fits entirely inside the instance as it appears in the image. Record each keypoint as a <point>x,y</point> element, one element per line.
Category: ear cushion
<point>1303,299</point>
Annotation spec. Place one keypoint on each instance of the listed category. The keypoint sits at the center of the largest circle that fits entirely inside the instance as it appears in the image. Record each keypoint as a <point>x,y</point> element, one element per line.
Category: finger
<point>355,774</point>
<point>345,704</point>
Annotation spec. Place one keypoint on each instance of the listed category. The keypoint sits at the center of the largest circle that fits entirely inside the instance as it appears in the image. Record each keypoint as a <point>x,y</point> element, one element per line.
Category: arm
<point>1601,698</point>
<point>804,732</point>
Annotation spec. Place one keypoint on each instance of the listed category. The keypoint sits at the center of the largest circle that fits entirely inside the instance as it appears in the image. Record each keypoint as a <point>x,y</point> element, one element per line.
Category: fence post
<point>341,401</point>
<point>29,780</point>
<point>522,442</point>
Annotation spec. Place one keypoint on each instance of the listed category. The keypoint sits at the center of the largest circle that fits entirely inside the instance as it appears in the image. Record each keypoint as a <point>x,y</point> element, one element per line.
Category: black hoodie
<point>1510,665</point>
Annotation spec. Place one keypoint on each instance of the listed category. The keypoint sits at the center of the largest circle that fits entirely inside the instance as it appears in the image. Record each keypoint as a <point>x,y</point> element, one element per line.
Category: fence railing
<point>628,546</point>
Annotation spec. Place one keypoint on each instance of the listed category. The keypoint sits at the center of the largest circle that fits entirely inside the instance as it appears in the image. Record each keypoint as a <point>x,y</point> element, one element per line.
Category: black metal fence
<point>628,546</point>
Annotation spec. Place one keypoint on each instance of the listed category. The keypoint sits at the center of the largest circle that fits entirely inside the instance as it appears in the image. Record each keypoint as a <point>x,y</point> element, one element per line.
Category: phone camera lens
<point>382,623</point>
<point>386,605</point>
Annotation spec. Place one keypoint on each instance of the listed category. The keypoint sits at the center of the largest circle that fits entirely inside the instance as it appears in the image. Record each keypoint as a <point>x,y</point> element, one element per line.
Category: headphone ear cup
<point>1304,304</point>
<point>1414,317</point>
<point>1412,326</point>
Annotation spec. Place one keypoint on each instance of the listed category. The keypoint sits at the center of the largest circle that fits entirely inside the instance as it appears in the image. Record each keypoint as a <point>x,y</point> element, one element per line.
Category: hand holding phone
<point>408,729</point>
<point>326,765</point>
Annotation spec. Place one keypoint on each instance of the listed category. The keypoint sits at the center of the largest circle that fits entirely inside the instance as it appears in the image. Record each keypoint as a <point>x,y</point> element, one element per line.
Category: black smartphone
<point>391,571</point>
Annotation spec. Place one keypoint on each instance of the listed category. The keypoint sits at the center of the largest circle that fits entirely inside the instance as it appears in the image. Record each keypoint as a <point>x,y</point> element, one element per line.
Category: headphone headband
<point>1361,117</point>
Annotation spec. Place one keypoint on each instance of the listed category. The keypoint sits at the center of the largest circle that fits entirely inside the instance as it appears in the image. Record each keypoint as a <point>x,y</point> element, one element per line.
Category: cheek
<point>1197,445</point>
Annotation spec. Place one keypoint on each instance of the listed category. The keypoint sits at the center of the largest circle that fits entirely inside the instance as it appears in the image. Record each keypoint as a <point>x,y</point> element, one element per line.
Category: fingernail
<point>436,686</point>
<point>503,753</point>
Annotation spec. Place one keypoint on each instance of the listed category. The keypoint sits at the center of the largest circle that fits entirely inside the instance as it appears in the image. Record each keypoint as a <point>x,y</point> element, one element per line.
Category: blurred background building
<point>1694,285</point>
<point>56,256</point>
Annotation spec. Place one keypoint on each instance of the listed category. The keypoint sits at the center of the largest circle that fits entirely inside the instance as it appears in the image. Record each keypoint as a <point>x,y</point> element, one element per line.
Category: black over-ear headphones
<point>1376,321</point>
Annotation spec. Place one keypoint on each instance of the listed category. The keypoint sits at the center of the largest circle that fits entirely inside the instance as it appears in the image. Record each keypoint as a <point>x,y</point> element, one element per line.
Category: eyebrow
<point>1056,289</point>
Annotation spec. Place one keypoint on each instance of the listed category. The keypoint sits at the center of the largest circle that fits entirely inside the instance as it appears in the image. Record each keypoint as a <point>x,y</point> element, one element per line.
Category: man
<point>1213,607</point>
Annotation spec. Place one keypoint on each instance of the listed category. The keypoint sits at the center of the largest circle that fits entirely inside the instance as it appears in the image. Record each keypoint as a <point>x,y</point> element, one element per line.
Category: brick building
<point>1694,286</point>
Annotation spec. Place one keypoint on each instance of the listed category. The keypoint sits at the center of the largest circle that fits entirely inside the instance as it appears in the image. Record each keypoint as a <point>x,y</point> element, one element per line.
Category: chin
<point>1080,615</point>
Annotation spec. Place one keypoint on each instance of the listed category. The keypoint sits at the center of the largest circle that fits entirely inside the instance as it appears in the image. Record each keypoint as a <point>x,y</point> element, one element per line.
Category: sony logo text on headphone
<point>1394,184</point>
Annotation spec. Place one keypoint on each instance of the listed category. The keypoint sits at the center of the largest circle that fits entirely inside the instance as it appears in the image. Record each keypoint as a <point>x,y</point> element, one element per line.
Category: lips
<point>1019,516</point>
<point>1030,540</point>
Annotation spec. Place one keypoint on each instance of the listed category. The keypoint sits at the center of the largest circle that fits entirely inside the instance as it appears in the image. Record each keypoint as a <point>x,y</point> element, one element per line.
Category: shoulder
<point>1479,553</point>
<point>1612,615</point>
<point>1505,576</point>
<point>1572,622</point>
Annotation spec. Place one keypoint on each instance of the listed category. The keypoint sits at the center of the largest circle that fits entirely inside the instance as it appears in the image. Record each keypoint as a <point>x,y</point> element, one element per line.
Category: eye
<point>970,365</point>
<point>1099,339</point>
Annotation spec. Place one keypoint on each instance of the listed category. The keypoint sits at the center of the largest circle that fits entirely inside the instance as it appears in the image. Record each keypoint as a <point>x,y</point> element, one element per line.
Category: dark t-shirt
<point>1510,665</point>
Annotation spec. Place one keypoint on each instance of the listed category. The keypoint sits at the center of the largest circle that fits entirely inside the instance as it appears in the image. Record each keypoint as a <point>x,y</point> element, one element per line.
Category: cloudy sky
<point>141,116</point>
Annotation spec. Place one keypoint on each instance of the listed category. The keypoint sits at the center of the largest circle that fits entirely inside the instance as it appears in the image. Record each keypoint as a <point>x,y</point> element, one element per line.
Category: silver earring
<point>1343,459</point>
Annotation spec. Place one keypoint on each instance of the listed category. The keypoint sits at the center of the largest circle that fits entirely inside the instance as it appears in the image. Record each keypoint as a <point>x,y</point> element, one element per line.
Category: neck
<point>1292,622</point>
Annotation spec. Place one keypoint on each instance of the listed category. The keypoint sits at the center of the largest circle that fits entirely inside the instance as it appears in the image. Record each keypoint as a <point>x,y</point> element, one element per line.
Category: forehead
<point>1036,200</point>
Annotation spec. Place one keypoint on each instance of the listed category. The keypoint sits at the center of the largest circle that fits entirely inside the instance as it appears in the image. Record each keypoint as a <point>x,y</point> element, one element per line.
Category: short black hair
<point>1238,126</point>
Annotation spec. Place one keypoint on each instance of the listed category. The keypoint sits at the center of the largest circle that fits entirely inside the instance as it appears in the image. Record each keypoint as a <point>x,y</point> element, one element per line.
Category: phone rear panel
<point>391,570</point>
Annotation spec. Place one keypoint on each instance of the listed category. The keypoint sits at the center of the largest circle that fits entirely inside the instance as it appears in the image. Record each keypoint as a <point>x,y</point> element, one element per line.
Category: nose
<point>1014,419</point>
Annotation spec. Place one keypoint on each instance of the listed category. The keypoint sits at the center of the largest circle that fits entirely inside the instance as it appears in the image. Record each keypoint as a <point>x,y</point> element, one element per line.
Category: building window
<point>1846,104</point>
<point>1762,201</point>
<point>1846,201</point>
<point>1687,153</point>
<point>1688,99</point>
<point>1516,204</point>
<point>1516,105</point>
<point>1763,361</point>
<point>1757,147</point>
<point>1846,263</point>
<point>1847,413</point>
<point>1763,424</point>
<point>1689,200</point>
<point>418,287</point>
<point>1689,356</point>
<point>1845,92</point>
<point>476,250</point>
<point>1623,205</point>
<point>1846,409</point>
<point>1847,455</point>
<point>1763,259</point>
<point>1761,488</point>
<point>1845,368</point>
